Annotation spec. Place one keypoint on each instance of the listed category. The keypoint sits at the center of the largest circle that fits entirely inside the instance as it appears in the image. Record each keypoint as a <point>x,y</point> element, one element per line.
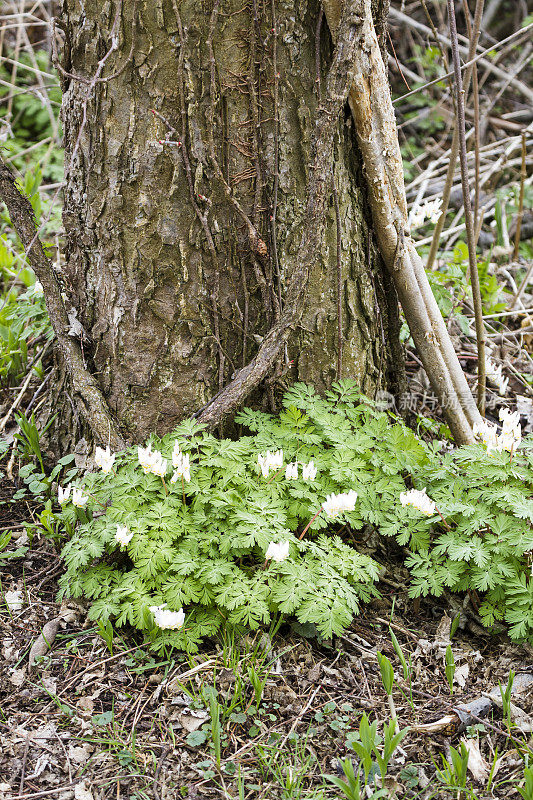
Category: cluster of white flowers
<point>291,471</point>
<point>431,210</point>
<point>152,461</point>
<point>418,499</point>
<point>508,439</point>
<point>309,471</point>
<point>270,461</point>
<point>274,461</point>
<point>496,376</point>
<point>166,619</point>
<point>79,499</point>
<point>123,535</point>
<point>104,459</point>
<point>37,288</point>
<point>336,504</point>
<point>277,551</point>
<point>181,463</point>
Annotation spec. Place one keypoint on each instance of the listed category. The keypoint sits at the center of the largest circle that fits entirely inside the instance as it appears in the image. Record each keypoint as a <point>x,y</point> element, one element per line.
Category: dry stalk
<point>469,222</point>
<point>375,125</point>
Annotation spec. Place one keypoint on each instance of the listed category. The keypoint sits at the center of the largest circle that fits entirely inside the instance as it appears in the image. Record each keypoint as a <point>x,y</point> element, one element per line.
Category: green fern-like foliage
<point>202,545</point>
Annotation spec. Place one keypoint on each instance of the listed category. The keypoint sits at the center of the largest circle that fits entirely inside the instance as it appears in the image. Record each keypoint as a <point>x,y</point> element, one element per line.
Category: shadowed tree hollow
<point>191,133</point>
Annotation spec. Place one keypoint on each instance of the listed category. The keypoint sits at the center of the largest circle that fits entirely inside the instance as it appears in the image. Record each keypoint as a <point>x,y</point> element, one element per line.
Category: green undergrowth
<point>202,545</point>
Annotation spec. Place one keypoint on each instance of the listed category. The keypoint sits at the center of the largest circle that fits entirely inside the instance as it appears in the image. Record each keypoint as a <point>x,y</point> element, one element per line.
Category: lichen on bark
<point>168,300</point>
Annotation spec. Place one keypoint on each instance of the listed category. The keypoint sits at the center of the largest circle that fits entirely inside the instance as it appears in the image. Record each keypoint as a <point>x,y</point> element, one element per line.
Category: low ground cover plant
<point>192,532</point>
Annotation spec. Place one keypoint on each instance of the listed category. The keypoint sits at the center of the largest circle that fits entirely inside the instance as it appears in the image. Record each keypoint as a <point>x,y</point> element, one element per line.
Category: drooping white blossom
<point>336,504</point>
<point>159,464</point>
<point>104,459</point>
<point>264,464</point>
<point>79,499</point>
<point>123,534</point>
<point>276,459</point>
<point>431,210</point>
<point>510,421</point>
<point>419,500</point>
<point>291,471</point>
<point>495,375</point>
<point>488,433</point>
<point>309,471</point>
<point>277,551</point>
<point>510,436</point>
<point>152,461</point>
<point>63,494</point>
<point>182,465</point>
<point>37,288</point>
<point>145,458</point>
<point>270,461</point>
<point>166,619</point>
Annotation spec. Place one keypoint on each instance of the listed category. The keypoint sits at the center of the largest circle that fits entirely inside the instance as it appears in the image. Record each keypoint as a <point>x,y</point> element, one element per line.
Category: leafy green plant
<point>454,771</point>
<point>142,542</point>
<point>526,791</point>
<point>351,786</point>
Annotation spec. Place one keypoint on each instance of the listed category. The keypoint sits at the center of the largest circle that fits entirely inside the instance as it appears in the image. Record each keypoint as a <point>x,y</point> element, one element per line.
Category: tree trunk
<point>182,226</point>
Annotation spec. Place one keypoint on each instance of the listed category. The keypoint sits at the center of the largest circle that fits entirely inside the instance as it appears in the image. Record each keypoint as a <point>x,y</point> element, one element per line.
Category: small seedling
<point>450,667</point>
<point>387,676</point>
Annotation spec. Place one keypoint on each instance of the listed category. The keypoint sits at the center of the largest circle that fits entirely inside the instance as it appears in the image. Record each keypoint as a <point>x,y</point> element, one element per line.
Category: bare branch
<point>93,406</point>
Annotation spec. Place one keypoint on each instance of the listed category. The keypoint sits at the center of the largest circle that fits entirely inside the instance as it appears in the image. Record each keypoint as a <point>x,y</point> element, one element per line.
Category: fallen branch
<point>375,125</point>
<point>93,406</point>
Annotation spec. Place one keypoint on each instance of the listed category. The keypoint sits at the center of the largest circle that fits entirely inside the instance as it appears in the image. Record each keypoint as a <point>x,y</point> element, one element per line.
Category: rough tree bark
<point>183,227</point>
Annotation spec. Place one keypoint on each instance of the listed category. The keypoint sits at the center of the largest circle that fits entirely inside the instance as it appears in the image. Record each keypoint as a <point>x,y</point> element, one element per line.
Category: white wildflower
<point>123,534</point>
<point>276,459</point>
<point>63,494</point>
<point>145,458</point>
<point>181,462</point>
<point>264,464</point>
<point>309,471</point>
<point>78,498</point>
<point>419,500</point>
<point>166,619</point>
<point>488,433</point>
<point>496,376</point>
<point>37,288</point>
<point>270,461</point>
<point>277,551</point>
<point>104,459</point>
<point>510,421</point>
<point>336,504</point>
<point>431,210</point>
<point>291,471</point>
<point>159,464</point>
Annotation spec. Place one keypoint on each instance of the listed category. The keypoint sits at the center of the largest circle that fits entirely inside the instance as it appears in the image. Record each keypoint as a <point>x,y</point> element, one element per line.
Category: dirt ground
<point>91,720</point>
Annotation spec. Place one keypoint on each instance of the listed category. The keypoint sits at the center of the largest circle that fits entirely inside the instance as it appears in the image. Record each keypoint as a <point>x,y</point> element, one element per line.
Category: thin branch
<point>93,406</point>
<point>469,222</point>
<point>375,126</point>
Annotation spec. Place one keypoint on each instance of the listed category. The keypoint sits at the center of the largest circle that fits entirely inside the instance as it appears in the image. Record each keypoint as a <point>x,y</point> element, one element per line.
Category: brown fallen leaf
<point>476,763</point>
<point>44,641</point>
